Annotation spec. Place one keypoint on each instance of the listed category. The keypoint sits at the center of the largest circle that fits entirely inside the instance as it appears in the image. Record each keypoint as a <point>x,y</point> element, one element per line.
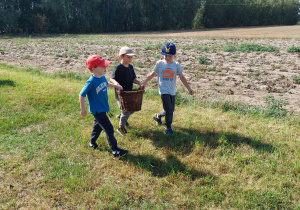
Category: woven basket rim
<point>138,90</point>
<point>131,92</point>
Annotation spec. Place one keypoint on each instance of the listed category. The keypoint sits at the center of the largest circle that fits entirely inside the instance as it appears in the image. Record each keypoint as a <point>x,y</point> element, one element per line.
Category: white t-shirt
<point>166,76</point>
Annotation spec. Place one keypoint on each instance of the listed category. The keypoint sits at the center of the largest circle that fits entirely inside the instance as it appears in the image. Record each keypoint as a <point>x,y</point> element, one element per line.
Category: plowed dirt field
<point>212,63</point>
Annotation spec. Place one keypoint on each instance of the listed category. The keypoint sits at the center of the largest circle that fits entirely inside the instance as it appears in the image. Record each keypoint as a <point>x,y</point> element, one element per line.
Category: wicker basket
<point>130,100</point>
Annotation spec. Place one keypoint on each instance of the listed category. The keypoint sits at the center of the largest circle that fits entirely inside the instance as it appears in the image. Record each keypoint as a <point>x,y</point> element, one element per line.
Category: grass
<point>249,47</point>
<point>296,79</point>
<point>157,46</point>
<point>273,107</point>
<point>202,48</point>
<point>229,48</point>
<point>218,84</point>
<point>203,60</point>
<point>218,158</point>
<point>197,47</point>
<point>25,57</point>
<point>293,49</point>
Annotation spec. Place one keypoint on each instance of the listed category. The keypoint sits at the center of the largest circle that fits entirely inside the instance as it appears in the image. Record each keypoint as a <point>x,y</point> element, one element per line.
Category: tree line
<point>95,16</point>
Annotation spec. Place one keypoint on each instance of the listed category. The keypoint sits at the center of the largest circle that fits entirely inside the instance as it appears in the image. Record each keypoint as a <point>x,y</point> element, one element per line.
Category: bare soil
<point>245,77</point>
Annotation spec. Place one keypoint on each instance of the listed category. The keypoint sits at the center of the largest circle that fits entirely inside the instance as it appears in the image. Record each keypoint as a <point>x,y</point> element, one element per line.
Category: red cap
<point>95,60</point>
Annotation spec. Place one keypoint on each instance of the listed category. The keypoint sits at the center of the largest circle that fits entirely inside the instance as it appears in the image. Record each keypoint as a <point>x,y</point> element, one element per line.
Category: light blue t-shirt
<point>166,75</point>
<point>96,91</point>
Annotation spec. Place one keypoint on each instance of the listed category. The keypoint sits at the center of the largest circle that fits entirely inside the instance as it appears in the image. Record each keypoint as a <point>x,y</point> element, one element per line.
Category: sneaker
<point>121,130</point>
<point>157,119</point>
<point>93,145</point>
<point>169,131</point>
<point>119,117</point>
<point>119,152</point>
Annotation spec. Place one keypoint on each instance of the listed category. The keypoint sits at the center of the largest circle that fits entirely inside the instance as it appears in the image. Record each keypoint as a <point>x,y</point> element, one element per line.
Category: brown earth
<point>238,76</point>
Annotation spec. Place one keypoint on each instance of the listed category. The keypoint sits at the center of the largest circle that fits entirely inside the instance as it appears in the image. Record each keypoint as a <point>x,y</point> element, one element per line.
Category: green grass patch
<point>72,54</point>
<point>273,108</point>
<point>157,46</point>
<point>249,47</point>
<point>218,84</point>
<point>203,60</point>
<point>202,48</point>
<point>197,47</point>
<point>229,48</point>
<point>293,49</point>
<point>222,155</point>
<point>296,79</point>
<point>25,57</point>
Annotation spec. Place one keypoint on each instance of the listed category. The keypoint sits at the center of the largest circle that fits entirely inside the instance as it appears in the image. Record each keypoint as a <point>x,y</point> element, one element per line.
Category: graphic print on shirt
<point>168,75</point>
<point>101,87</point>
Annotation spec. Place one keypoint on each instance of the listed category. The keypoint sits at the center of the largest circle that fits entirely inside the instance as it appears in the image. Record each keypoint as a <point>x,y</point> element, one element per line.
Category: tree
<point>198,19</point>
<point>94,16</point>
<point>9,15</point>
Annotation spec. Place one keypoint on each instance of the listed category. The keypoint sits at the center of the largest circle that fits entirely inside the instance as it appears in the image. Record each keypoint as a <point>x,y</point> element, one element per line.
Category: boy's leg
<point>95,132</point>
<point>124,117</point>
<point>169,107</point>
<point>106,125</point>
<point>161,114</point>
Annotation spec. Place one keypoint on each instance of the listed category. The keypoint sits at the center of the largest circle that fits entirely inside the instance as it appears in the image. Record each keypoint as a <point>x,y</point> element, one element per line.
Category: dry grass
<point>271,32</point>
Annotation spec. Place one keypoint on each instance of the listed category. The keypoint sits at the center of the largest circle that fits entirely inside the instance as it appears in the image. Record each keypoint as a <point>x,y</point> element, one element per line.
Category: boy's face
<point>127,59</point>
<point>99,70</point>
<point>169,59</point>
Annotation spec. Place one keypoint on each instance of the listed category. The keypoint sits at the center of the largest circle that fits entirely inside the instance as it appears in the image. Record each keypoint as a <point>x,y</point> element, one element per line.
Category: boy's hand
<point>119,87</point>
<point>142,87</point>
<point>83,112</point>
<point>191,91</point>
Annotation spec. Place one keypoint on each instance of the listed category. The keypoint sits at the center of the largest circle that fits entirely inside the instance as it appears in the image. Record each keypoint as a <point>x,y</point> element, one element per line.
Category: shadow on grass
<point>162,168</point>
<point>7,83</point>
<point>183,140</point>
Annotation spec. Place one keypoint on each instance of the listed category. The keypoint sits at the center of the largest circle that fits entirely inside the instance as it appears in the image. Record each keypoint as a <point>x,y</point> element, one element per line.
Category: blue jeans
<point>101,122</point>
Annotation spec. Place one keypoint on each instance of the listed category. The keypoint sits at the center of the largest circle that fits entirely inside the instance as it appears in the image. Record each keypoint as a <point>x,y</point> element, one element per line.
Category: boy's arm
<point>115,86</point>
<point>136,81</point>
<point>183,80</point>
<point>83,111</point>
<point>114,81</point>
<point>150,77</point>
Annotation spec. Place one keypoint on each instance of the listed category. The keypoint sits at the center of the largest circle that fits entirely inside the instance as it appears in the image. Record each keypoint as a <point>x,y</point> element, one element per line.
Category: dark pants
<point>169,108</point>
<point>101,122</point>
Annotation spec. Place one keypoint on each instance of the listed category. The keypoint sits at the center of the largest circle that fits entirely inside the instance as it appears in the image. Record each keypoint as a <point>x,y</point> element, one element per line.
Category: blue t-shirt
<point>96,91</point>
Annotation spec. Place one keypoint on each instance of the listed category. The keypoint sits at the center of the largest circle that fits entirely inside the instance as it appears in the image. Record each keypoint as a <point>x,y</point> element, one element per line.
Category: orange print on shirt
<point>168,74</point>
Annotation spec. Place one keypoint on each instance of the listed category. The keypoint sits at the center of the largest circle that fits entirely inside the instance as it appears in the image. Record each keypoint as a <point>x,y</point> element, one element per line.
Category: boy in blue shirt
<point>96,91</point>
<point>167,71</point>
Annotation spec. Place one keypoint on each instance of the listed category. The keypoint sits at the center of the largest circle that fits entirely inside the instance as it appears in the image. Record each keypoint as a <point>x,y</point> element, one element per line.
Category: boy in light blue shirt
<point>166,71</point>
<point>95,89</point>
